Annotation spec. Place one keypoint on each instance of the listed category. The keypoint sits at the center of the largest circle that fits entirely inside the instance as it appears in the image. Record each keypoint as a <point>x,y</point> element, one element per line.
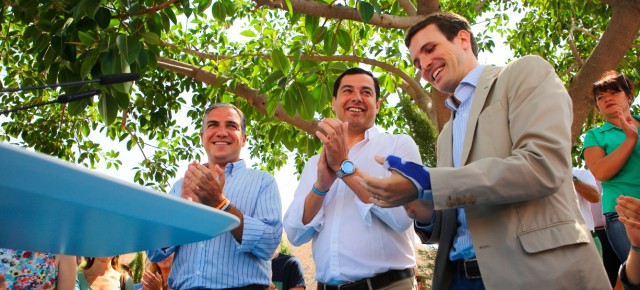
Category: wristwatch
<point>346,168</point>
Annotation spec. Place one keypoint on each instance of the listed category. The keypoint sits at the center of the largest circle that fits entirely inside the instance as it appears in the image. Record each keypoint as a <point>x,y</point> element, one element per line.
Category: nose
<point>222,132</point>
<point>424,65</point>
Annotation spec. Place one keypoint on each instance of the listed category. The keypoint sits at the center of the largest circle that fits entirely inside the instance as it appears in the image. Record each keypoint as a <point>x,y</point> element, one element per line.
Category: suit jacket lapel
<point>445,150</point>
<point>487,78</point>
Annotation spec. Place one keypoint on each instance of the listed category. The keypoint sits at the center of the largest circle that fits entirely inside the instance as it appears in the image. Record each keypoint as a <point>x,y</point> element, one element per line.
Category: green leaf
<point>89,61</point>
<point>248,33</point>
<point>122,100</point>
<point>153,60</point>
<point>102,17</point>
<point>91,7</point>
<point>77,107</point>
<point>311,23</point>
<point>306,108</point>
<point>344,40</point>
<point>271,81</point>
<point>230,7</point>
<point>86,38</point>
<point>365,10</point>
<point>172,16</point>
<point>330,44</point>
<point>203,5</point>
<point>120,65</point>
<point>151,38</point>
<point>272,102</point>
<point>290,102</point>
<point>289,6</point>
<point>107,62</point>
<point>280,60</point>
<point>143,58</point>
<point>129,47</point>
<point>108,108</point>
<point>219,11</point>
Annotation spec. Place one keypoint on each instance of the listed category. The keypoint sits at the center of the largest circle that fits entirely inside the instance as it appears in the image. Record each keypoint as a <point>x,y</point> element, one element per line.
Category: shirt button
<point>201,245</point>
<point>198,273</point>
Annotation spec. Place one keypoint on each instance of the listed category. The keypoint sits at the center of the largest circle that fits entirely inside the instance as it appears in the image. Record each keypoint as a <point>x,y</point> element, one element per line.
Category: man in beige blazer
<point>501,202</point>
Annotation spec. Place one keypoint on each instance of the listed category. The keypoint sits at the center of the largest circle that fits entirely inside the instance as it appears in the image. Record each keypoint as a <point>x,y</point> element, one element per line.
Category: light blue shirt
<point>462,245</point>
<point>222,262</point>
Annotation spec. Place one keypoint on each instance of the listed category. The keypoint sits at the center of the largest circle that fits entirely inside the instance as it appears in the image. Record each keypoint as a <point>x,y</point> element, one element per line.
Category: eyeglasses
<point>624,81</point>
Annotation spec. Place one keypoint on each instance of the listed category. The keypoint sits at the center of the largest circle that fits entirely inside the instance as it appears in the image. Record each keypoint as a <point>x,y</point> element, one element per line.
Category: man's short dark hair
<point>356,71</point>
<point>448,23</point>
<point>243,120</point>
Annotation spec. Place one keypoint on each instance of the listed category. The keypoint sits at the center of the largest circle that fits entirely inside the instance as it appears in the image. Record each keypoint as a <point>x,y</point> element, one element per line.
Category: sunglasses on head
<point>618,79</point>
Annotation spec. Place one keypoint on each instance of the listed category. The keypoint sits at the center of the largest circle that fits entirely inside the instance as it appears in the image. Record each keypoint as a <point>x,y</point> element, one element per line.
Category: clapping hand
<point>203,185</point>
<point>151,281</point>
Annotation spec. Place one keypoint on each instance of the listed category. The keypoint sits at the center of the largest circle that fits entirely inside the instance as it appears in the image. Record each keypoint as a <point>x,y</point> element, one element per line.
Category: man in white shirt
<point>356,245</point>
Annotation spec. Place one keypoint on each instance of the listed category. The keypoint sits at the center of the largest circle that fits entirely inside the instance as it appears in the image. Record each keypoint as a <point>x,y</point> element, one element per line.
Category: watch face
<point>348,167</point>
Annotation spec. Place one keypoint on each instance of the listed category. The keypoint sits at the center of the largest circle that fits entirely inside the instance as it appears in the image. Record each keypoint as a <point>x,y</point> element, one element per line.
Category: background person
<point>287,272</point>
<point>36,270</point>
<point>103,273</point>
<point>612,152</point>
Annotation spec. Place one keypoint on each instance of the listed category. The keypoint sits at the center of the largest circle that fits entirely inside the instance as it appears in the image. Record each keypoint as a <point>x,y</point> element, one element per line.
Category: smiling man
<point>239,259</point>
<point>356,245</point>
<point>500,202</point>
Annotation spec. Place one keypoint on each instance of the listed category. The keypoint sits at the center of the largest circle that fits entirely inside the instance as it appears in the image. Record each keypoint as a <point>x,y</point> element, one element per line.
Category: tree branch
<point>314,8</point>
<point>408,7</point>
<point>258,101</point>
<point>148,10</point>
<point>426,7</point>
<point>572,44</point>
<point>417,93</point>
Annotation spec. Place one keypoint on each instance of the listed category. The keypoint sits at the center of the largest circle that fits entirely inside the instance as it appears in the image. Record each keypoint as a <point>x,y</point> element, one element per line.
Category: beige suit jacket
<point>515,186</point>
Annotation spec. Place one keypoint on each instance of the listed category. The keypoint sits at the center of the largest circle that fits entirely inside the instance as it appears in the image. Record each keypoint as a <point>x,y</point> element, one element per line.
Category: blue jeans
<point>617,236</point>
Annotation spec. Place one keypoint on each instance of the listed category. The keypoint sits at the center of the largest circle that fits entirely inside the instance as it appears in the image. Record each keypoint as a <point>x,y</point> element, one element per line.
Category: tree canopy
<point>275,59</point>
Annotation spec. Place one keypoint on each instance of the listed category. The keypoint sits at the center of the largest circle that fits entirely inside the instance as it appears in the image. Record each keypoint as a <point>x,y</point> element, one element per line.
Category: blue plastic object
<point>50,205</point>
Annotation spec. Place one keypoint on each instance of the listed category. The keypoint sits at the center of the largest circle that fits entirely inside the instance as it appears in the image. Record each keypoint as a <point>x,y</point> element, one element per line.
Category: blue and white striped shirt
<point>222,262</point>
<point>462,245</point>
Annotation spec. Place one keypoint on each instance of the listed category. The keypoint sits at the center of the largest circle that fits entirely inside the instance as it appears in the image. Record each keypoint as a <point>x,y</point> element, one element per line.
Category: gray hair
<point>243,120</point>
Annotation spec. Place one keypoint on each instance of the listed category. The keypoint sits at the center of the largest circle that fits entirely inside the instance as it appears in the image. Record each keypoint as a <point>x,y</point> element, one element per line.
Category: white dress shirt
<point>353,240</point>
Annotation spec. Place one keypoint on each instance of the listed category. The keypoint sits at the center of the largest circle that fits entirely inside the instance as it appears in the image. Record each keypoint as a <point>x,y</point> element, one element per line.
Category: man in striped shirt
<point>239,259</point>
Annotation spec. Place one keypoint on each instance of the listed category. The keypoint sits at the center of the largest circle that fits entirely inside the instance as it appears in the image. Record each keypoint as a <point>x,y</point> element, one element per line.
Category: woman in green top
<point>103,273</point>
<point>612,152</point>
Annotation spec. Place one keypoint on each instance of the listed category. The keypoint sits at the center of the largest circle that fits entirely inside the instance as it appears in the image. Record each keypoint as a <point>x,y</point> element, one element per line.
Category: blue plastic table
<point>49,205</point>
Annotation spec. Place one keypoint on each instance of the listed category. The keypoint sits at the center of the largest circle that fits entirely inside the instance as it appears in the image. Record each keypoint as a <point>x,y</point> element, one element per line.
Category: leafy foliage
<point>273,59</point>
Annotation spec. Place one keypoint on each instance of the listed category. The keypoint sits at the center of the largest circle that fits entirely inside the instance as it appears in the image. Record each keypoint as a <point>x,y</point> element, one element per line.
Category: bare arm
<point>324,180</point>
<point>3,282</point>
<point>604,166</point>
<point>587,191</point>
<point>67,271</point>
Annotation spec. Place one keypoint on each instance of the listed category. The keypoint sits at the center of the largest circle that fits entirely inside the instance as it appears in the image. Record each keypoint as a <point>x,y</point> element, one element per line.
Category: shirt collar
<point>234,167</point>
<point>371,133</point>
<point>608,126</point>
<point>470,80</point>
